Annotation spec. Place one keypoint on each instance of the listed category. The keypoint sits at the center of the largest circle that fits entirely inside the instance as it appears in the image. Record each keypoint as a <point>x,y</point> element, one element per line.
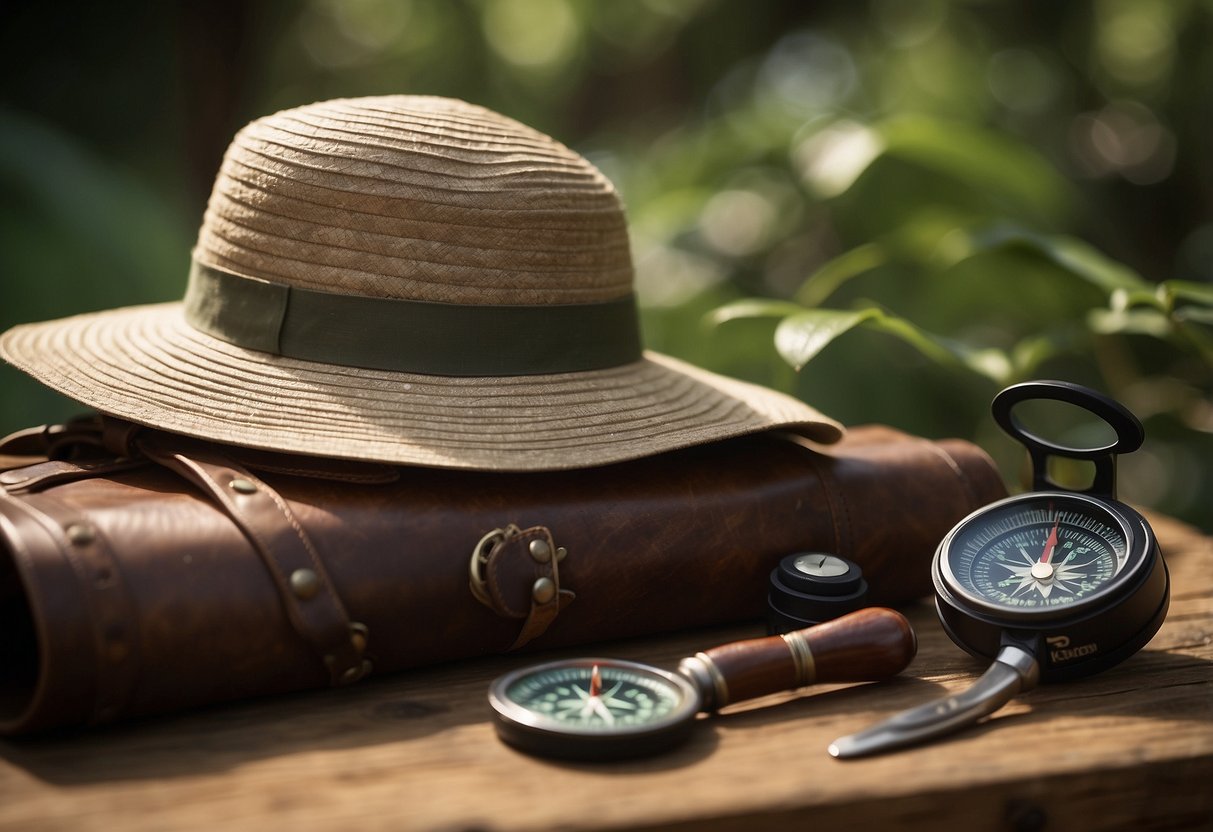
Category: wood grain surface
<point>1129,749</point>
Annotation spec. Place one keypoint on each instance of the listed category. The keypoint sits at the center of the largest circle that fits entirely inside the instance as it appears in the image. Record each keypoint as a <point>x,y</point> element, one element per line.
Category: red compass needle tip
<point>1051,543</point>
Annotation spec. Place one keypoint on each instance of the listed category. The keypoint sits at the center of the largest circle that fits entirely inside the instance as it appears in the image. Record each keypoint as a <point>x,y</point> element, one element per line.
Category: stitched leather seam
<point>834,500</point>
<point>961,475</point>
<point>115,679</point>
<point>312,473</point>
<point>829,488</point>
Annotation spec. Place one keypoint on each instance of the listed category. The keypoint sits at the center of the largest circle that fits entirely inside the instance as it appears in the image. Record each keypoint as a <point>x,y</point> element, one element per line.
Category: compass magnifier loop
<point>1127,427</point>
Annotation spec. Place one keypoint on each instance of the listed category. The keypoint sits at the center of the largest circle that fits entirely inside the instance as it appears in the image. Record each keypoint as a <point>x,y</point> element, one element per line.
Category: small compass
<point>597,708</point>
<point>605,709</point>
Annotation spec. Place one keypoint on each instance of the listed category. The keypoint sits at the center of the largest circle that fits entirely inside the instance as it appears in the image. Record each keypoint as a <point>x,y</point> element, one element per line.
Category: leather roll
<point>152,573</point>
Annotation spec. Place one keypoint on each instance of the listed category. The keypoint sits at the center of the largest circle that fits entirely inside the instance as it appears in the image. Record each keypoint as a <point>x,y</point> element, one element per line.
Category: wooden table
<point>1129,749</point>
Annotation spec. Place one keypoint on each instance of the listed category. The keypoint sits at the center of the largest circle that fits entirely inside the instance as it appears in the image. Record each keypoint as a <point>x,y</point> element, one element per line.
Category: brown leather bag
<point>144,572</point>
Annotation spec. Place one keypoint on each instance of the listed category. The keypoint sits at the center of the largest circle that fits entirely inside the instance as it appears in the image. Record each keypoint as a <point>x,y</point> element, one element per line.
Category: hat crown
<point>417,198</point>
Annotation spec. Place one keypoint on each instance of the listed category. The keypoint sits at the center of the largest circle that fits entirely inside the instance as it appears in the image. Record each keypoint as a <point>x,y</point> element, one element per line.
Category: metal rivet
<point>358,636</point>
<point>543,590</point>
<point>80,534</point>
<point>540,550</point>
<point>353,674</point>
<point>116,649</point>
<point>243,486</point>
<point>561,552</point>
<point>305,584</point>
<point>103,577</point>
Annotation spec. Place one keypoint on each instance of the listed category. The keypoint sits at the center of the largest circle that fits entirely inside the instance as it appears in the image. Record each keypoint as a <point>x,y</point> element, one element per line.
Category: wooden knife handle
<point>864,646</point>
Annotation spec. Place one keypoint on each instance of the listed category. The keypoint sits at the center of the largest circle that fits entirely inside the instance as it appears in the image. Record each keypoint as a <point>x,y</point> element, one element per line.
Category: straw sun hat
<point>409,280</point>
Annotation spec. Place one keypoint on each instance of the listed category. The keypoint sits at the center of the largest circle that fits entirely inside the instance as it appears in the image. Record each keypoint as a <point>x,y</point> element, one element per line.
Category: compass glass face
<point>1046,552</point>
<point>597,697</point>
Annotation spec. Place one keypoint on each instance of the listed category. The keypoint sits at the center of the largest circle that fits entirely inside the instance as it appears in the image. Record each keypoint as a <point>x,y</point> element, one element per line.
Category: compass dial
<point>597,699</point>
<point>1042,553</point>
<point>593,708</point>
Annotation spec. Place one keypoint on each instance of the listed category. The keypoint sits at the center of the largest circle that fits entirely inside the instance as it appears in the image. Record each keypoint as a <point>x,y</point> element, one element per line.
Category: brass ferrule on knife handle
<point>865,646</point>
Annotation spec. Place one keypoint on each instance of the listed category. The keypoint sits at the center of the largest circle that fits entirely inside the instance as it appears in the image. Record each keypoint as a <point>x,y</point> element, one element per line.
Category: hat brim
<point>147,365</point>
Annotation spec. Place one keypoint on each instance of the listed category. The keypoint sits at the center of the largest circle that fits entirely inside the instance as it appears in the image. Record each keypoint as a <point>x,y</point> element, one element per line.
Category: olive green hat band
<point>407,280</point>
<point>411,336</point>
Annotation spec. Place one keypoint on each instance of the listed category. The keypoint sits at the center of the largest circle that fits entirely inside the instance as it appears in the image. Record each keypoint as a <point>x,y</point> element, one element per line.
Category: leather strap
<point>57,441</point>
<point>28,441</point>
<point>73,451</point>
<point>112,612</point>
<point>412,336</point>
<point>66,453</point>
<point>832,491</point>
<point>306,591</point>
<point>40,475</point>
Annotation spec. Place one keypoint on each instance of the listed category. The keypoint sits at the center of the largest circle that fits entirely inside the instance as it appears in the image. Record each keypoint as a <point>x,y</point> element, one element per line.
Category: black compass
<point>1034,555</point>
<point>1052,585</point>
<point>1076,580</point>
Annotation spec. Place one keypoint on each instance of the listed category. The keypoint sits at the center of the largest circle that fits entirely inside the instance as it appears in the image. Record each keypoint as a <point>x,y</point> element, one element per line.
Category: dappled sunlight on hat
<point>411,280</point>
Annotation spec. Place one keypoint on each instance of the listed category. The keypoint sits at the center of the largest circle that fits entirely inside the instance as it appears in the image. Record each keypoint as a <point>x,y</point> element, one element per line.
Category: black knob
<point>810,587</point>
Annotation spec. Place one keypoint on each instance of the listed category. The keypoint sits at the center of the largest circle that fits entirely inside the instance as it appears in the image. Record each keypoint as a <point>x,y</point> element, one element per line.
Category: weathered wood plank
<point>1129,749</point>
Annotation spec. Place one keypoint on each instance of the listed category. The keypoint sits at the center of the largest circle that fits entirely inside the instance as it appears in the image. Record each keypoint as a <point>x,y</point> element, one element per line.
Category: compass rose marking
<point>1061,574</point>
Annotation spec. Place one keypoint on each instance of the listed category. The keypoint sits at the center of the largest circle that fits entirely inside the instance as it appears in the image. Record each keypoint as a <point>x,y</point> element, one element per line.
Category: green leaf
<point>1131,321</point>
<point>1201,293</point>
<point>1122,299</point>
<point>980,158</point>
<point>826,280</point>
<point>1176,327</point>
<point>1031,352</point>
<point>1090,264</point>
<point>1075,256</point>
<point>1195,314</point>
<point>752,308</point>
<point>800,337</point>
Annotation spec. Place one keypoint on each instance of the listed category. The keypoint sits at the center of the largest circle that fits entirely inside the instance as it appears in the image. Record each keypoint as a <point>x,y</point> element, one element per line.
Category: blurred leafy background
<point>890,209</point>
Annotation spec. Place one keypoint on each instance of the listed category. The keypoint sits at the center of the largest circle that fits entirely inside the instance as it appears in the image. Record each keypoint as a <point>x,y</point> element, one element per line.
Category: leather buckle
<point>515,573</point>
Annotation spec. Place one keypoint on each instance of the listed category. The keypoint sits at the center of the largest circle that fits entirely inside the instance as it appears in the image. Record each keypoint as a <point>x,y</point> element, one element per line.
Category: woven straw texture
<point>415,198</point>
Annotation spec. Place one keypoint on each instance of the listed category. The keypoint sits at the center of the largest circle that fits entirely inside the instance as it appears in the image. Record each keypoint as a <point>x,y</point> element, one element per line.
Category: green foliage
<point>889,209</point>
<point>908,261</point>
<point>76,235</point>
